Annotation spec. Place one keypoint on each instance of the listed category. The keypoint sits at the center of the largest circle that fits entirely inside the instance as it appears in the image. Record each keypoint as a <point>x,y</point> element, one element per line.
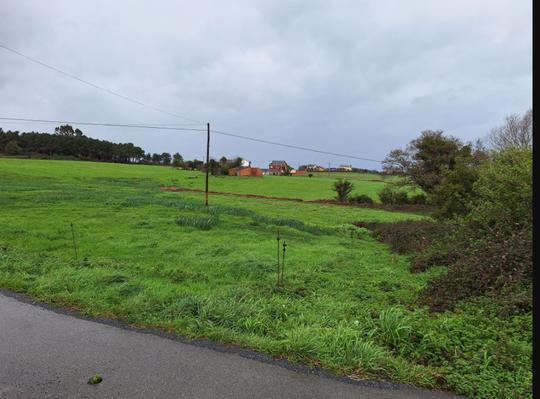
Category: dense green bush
<point>343,188</point>
<point>418,199</point>
<point>390,196</point>
<point>492,243</point>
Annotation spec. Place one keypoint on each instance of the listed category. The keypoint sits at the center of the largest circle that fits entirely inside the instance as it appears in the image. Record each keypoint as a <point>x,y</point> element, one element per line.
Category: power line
<point>168,126</point>
<point>297,147</point>
<point>114,93</point>
<point>137,126</point>
<point>141,126</point>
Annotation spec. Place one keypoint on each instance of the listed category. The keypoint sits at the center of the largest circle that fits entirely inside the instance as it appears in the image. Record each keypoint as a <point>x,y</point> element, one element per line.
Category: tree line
<point>67,142</point>
<point>70,143</point>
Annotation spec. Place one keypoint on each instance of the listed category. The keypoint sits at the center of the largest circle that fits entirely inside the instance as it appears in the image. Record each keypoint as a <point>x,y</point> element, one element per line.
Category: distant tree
<point>12,148</point>
<point>236,162</point>
<point>443,167</point>
<point>65,130</point>
<point>215,167</point>
<point>425,160</point>
<point>177,161</point>
<point>197,164</point>
<point>343,188</point>
<point>63,144</point>
<point>156,159</point>
<point>516,132</point>
<point>166,158</point>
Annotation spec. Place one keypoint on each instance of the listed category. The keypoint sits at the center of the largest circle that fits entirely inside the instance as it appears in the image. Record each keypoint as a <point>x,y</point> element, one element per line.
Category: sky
<point>352,77</point>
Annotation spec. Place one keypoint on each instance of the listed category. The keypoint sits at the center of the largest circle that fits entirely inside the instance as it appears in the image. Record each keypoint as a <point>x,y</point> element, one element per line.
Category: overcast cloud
<point>354,77</point>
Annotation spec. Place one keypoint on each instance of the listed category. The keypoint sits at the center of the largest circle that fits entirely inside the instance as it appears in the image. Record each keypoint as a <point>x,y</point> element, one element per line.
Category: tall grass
<point>202,222</point>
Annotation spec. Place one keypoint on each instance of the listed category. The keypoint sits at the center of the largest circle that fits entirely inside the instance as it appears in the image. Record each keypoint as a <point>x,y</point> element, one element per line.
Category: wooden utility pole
<point>207,162</point>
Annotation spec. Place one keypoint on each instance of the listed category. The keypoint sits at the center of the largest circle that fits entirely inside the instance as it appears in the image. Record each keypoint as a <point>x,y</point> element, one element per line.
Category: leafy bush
<point>390,196</point>
<point>343,188</point>
<point>406,236</point>
<point>361,199</point>
<point>492,244</point>
<point>418,199</point>
<point>490,266</point>
<point>386,195</point>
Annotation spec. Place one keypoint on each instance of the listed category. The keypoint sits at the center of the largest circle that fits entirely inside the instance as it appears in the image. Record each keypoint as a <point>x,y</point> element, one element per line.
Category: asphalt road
<point>48,354</point>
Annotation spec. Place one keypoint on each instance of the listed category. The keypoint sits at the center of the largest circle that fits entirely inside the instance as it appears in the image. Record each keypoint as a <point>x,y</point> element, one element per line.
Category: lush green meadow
<point>162,259</point>
<point>317,187</point>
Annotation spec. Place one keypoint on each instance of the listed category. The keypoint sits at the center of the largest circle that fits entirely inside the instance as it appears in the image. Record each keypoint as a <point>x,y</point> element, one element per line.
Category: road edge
<point>222,347</point>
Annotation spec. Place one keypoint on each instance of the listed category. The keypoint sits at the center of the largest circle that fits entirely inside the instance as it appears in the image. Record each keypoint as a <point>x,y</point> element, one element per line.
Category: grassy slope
<point>317,187</point>
<point>347,304</point>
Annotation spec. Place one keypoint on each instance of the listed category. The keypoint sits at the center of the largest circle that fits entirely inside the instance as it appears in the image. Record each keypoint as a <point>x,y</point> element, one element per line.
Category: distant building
<point>298,172</point>
<point>278,168</point>
<point>345,168</point>
<point>245,171</point>
<point>312,168</point>
<point>245,163</point>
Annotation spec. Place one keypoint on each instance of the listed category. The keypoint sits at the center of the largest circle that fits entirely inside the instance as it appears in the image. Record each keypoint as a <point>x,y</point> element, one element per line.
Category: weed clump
<point>202,222</point>
<point>95,379</point>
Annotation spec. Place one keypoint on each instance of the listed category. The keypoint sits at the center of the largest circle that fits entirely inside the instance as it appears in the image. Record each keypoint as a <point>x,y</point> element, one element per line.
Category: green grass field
<point>317,187</point>
<point>161,259</point>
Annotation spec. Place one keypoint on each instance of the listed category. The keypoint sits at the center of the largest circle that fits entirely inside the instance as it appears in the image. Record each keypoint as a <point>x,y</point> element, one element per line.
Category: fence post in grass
<point>278,266</point>
<point>283,261</point>
<point>207,162</point>
<point>73,239</point>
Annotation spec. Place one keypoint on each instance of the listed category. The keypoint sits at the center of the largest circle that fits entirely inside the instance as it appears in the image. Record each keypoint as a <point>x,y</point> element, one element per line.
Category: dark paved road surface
<point>46,354</point>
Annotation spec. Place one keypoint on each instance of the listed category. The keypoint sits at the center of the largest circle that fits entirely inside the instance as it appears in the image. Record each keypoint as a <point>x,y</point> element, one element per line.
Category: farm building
<point>245,171</point>
<point>298,172</point>
<point>312,168</point>
<point>278,168</point>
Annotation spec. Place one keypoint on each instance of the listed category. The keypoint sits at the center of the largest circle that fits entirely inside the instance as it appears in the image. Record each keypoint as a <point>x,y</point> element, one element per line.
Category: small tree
<point>343,188</point>
<point>65,130</point>
<point>156,159</point>
<point>12,148</point>
<point>178,161</point>
<point>166,158</point>
<point>516,132</point>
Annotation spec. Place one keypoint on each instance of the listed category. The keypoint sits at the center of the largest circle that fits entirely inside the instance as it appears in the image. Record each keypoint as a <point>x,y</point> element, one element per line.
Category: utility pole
<point>207,162</point>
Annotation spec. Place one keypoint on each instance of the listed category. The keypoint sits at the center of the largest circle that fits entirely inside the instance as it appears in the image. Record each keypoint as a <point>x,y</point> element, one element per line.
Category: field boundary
<point>391,208</point>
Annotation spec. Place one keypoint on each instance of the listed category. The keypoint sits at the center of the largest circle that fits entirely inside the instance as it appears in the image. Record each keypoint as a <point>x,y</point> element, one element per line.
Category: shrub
<point>390,196</point>
<point>361,199</point>
<point>418,199</point>
<point>492,243</point>
<point>343,188</point>
<point>490,267</point>
<point>406,236</point>
<point>386,195</point>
